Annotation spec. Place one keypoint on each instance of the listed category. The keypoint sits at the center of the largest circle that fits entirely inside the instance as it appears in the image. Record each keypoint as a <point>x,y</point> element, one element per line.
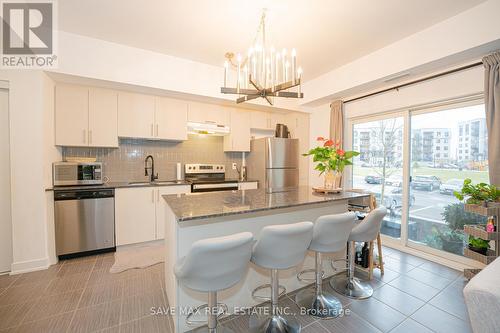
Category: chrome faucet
<point>152,177</point>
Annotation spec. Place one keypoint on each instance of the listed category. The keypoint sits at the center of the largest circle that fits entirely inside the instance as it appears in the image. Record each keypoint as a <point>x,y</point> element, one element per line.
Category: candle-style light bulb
<point>277,69</point>
<point>299,74</point>
<point>284,61</point>
<point>226,67</point>
<point>287,66</point>
<point>294,65</point>
<point>245,79</point>
<point>238,58</point>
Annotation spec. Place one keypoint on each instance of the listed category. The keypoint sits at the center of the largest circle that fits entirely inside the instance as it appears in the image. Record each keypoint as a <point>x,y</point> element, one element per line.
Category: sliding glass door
<point>447,146</point>
<point>413,161</point>
<point>378,168</point>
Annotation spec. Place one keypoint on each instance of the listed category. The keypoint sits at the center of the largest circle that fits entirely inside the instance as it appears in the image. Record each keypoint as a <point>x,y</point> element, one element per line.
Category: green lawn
<point>443,174</point>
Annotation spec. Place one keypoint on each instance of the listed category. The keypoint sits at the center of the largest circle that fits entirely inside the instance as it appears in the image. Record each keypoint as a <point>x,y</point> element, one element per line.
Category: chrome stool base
<point>273,324</point>
<point>324,305</point>
<point>355,288</point>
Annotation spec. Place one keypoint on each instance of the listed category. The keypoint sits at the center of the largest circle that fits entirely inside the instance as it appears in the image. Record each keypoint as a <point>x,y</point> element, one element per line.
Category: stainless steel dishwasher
<point>84,222</point>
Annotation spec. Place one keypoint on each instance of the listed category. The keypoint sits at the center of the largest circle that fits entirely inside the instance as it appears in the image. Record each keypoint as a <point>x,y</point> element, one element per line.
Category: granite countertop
<point>194,206</point>
<point>112,185</point>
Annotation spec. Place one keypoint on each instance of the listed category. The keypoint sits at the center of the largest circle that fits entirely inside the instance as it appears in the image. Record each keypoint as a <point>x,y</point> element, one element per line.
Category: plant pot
<point>453,246</point>
<point>332,180</point>
<point>480,250</point>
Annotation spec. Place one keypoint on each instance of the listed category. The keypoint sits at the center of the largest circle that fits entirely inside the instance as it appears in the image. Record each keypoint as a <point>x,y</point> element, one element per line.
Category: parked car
<point>451,185</point>
<point>396,181</point>
<point>424,182</point>
<point>394,199</point>
<point>373,179</point>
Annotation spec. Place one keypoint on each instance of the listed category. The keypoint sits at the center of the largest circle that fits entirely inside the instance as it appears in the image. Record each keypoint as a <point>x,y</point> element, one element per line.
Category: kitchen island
<point>191,217</point>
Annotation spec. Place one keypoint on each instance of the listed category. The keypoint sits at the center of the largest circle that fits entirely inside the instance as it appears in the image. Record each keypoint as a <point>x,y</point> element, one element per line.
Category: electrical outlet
<point>234,166</point>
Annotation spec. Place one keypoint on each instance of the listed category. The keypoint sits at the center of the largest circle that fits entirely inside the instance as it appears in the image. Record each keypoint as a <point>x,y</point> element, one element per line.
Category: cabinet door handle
<point>158,196</point>
<point>90,137</point>
<point>153,196</point>
<point>156,130</point>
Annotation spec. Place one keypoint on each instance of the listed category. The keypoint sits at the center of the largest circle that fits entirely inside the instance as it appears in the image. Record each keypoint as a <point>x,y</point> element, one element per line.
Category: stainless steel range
<point>208,178</point>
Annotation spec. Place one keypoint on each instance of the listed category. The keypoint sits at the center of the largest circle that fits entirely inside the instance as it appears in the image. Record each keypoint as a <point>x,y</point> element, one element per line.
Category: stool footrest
<point>305,271</point>
<point>282,291</point>
<point>222,310</point>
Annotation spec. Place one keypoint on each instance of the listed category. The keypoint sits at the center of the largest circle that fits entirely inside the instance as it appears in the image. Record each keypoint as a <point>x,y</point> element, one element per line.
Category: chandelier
<point>264,72</point>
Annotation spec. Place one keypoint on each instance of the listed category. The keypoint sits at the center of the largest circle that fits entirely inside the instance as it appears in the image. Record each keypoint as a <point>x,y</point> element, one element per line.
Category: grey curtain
<point>337,121</point>
<point>492,104</point>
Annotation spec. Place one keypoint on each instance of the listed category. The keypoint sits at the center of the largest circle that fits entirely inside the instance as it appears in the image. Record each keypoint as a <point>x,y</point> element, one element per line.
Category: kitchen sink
<point>165,182</point>
<point>139,183</point>
<point>156,182</point>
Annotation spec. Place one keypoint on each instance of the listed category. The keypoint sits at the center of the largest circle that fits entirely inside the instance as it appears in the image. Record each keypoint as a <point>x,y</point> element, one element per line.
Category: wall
<point>463,37</point>
<point>461,85</point>
<point>5,201</point>
<point>29,108</point>
<point>319,126</point>
<point>127,162</point>
<point>98,59</point>
<point>458,85</point>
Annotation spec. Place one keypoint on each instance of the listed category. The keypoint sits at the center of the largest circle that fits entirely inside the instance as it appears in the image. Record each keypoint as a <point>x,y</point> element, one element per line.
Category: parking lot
<point>427,205</point>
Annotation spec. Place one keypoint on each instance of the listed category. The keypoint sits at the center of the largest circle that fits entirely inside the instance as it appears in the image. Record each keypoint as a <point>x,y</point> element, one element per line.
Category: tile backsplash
<point>126,163</point>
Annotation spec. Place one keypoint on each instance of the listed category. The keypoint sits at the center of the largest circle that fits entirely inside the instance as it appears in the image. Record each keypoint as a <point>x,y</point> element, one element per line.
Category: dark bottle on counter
<point>359,258</point>
<point>364,255</point>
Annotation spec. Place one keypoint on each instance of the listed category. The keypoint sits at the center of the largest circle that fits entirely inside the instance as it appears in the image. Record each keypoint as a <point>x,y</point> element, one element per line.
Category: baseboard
<point>29,266</point>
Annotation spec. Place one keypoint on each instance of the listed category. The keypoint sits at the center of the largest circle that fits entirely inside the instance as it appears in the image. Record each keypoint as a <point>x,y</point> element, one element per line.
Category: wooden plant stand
<point>479,231</point>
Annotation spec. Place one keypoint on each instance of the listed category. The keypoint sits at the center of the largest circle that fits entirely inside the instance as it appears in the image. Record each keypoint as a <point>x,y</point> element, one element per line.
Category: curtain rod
<point>451,71</point>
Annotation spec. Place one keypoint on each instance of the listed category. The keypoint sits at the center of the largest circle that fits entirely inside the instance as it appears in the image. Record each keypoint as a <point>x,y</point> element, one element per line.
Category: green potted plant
<point>331,161</point>
<point>456,216</point>
<point>479,245</point>
<point>452,240</point>
<point>478,194</point>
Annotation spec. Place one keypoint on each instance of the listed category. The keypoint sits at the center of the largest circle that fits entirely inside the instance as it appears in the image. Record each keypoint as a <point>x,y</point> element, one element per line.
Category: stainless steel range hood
<point>207,128</point>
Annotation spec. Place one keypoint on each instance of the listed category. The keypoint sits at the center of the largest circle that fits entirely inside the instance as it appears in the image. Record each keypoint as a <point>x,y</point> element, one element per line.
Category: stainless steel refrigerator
<point>274,162</point>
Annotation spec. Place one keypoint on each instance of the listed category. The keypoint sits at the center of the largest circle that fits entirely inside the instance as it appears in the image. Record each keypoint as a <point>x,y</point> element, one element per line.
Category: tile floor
<point>80,295</point>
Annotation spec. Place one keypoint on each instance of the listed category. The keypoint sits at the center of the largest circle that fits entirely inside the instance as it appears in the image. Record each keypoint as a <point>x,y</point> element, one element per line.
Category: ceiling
<point>326,33</point>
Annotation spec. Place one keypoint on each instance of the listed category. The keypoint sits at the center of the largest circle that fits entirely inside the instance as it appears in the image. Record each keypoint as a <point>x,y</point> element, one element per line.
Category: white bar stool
<point>366,231</point>
<point>330,234</point>
<point>279,247</point>
<point>211,265</point>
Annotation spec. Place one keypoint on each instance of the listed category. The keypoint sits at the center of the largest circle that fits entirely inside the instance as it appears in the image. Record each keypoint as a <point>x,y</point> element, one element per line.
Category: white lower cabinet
<point>161,206</point>
<point>140,213</point>
<point>248,186</point>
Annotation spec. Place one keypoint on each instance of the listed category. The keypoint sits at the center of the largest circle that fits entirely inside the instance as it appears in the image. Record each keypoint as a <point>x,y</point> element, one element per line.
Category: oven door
<point>213,187</point>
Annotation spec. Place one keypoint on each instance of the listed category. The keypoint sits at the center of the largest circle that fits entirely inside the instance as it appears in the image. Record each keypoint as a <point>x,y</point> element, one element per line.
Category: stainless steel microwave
<point>77,173</point>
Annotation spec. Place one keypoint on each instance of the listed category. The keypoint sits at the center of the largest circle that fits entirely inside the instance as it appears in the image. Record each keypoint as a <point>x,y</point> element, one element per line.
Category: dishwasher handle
<point>83,194</point>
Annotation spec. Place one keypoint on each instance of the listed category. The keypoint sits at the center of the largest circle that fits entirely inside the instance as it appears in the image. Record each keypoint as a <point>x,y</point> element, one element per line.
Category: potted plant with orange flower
<point>331,161</point>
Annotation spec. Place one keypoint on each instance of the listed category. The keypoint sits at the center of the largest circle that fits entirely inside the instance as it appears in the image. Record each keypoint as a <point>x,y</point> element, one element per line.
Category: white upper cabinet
<point>277,118</point>
<point>85,116</point>
<point>208,113</point>
<point>171,119</point>
<point>260,120</point>
<point>239,137</point>
<point>136,115</point>
<point>103,118</point>
<point>298,124</point>
<point>72,115</point>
